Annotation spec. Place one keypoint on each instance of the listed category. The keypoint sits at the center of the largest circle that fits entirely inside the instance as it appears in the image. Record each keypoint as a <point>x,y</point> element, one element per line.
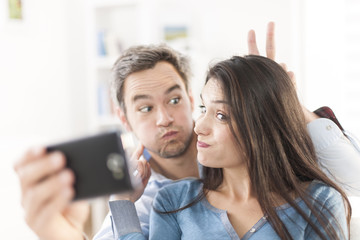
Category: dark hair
<point>145,57</point>
<point>269,126</point>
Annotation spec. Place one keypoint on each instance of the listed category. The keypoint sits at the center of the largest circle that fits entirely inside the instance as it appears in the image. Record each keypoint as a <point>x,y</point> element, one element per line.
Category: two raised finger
<point>270,42</point>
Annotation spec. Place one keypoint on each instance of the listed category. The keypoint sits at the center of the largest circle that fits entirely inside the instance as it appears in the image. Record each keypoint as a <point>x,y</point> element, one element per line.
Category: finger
<point>37,196</point>
<point>29,156</point>
<point>292,77</point>
<point>141,167</point>
<point>284,66</point>
<point>270,41</point>
<point>55,206</point>
<point>138,152</point>
<point>252,46</point>
<point>148,173</point>
<point>144,170</point>
<point>39,170</point>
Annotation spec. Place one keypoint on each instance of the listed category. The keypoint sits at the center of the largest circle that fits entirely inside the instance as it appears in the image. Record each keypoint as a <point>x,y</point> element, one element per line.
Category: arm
<point>143,207</point>
<point>125,220</point>
<point>47,191</point>
<point>164,225</point>
<point>337,156</point>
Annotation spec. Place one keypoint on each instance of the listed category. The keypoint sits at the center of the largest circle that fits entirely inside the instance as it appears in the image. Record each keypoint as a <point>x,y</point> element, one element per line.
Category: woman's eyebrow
<point>216,101</point>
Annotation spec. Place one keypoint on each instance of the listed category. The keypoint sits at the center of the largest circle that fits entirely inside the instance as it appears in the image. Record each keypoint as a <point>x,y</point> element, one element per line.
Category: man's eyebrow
<point>144,96</point>
<point>176,86</point>
<point>140,96</point>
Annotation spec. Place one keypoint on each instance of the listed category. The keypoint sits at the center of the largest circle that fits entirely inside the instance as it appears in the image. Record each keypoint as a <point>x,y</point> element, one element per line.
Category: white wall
<point>41,97</point>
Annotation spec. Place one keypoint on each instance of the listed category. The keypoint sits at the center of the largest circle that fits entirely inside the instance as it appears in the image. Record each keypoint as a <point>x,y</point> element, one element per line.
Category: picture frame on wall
<point>15,9</point>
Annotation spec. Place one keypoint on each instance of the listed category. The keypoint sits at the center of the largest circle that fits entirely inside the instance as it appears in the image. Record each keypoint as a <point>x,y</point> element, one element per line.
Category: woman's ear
<point>122,116</point>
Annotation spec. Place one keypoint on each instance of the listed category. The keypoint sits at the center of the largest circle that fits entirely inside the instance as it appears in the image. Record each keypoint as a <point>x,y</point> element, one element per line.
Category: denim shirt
<point>203,221</point>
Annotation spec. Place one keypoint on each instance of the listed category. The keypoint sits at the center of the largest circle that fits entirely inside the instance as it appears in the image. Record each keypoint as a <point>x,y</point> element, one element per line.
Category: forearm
<point>337,156</point>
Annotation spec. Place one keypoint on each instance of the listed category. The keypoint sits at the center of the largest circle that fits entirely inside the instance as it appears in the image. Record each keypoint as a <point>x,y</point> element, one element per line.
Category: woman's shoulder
<point>324,193</point>
<point>178,193</point>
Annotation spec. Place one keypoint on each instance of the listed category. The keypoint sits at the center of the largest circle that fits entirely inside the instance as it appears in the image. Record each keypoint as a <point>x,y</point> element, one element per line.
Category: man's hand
<point>142,172</point>
<point>270,53</point>
<point>270,47</point>
<point>270,42</point>
<point>47,189</point>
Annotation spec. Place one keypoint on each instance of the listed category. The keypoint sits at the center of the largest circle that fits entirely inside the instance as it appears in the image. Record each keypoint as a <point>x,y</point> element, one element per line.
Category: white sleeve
<point>337,156</point>
<point>106,231</point>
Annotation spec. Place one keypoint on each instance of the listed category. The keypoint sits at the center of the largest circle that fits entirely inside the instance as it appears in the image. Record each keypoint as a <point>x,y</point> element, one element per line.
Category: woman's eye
<point>202,109</point>
<point>174,101</point>
<point>145,109</point>
<point>221,116</point>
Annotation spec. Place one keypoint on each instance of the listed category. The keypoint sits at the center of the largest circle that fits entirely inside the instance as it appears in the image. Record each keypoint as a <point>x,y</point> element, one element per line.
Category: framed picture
<point>15,9</point>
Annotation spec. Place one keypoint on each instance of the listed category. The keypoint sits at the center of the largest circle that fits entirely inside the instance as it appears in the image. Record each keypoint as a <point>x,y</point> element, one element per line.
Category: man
<point>155,102</point>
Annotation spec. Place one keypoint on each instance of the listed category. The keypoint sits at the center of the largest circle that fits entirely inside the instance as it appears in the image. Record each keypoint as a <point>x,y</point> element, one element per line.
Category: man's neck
<point>179,167</point>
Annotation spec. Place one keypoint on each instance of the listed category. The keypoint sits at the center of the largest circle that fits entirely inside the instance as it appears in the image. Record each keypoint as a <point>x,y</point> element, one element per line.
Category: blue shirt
<point>203,221</point>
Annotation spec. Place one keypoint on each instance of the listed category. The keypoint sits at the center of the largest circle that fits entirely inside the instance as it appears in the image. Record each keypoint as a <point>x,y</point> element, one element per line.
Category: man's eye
<point>221,116</point>
<point>145,109</point>
<point>202,109</point>
<point>174,101</point>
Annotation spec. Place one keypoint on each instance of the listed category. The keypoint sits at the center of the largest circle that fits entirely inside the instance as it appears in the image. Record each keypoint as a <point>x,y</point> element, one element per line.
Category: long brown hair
<point>269,126</point>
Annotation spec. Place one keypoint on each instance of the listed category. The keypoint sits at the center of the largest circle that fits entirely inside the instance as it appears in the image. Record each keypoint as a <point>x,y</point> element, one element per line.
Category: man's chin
<point>172,150</point>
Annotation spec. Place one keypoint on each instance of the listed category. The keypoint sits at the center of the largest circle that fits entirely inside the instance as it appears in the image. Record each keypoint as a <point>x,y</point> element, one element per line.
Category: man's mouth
<point>169,134</point>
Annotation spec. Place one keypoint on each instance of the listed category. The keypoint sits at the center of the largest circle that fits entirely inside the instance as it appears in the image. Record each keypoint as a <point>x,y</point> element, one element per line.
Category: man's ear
<point>121,115</point>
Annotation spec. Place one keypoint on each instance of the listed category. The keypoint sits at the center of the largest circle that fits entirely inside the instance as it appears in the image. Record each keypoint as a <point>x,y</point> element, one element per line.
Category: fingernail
<point>37,151</point>
<point>135,173</point>
<point>65,177</point>
<point>57,159</point>
<point>142,157</point>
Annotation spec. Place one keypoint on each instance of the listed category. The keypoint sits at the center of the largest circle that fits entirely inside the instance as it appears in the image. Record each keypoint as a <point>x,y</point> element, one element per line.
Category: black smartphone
<point>99,163</point>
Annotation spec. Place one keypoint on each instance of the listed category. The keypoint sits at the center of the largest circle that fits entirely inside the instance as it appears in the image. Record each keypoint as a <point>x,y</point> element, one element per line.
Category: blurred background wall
<point>55,59</point>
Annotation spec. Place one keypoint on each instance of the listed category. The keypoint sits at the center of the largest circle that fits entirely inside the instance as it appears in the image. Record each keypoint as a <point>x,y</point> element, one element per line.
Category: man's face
<point>159,110</point>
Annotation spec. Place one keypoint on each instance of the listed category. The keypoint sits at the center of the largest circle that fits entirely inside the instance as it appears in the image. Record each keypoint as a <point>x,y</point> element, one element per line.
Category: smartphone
<point>99,163</point>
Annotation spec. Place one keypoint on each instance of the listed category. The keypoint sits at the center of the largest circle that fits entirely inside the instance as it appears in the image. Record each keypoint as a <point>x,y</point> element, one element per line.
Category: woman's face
<point>216,145</point>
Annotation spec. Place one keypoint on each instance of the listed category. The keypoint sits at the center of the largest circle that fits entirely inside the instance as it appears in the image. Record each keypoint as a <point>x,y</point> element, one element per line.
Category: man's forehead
<point>153,81</point>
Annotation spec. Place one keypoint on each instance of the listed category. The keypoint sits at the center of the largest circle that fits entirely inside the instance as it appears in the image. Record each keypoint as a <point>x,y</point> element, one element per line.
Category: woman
<point>260,180</point>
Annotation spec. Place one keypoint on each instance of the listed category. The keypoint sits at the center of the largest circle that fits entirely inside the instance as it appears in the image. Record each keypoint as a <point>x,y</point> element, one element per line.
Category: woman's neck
<point>236,184</point>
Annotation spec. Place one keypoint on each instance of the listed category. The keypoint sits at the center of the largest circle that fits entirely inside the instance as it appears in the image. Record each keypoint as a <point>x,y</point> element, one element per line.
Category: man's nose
<point>164,117</point>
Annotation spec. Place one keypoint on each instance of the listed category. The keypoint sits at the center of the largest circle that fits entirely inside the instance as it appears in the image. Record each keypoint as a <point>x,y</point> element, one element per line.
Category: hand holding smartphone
<point>99,163</point>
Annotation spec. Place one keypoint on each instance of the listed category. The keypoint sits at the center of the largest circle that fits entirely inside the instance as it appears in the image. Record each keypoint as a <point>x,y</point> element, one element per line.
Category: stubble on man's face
<point>175,147</point>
